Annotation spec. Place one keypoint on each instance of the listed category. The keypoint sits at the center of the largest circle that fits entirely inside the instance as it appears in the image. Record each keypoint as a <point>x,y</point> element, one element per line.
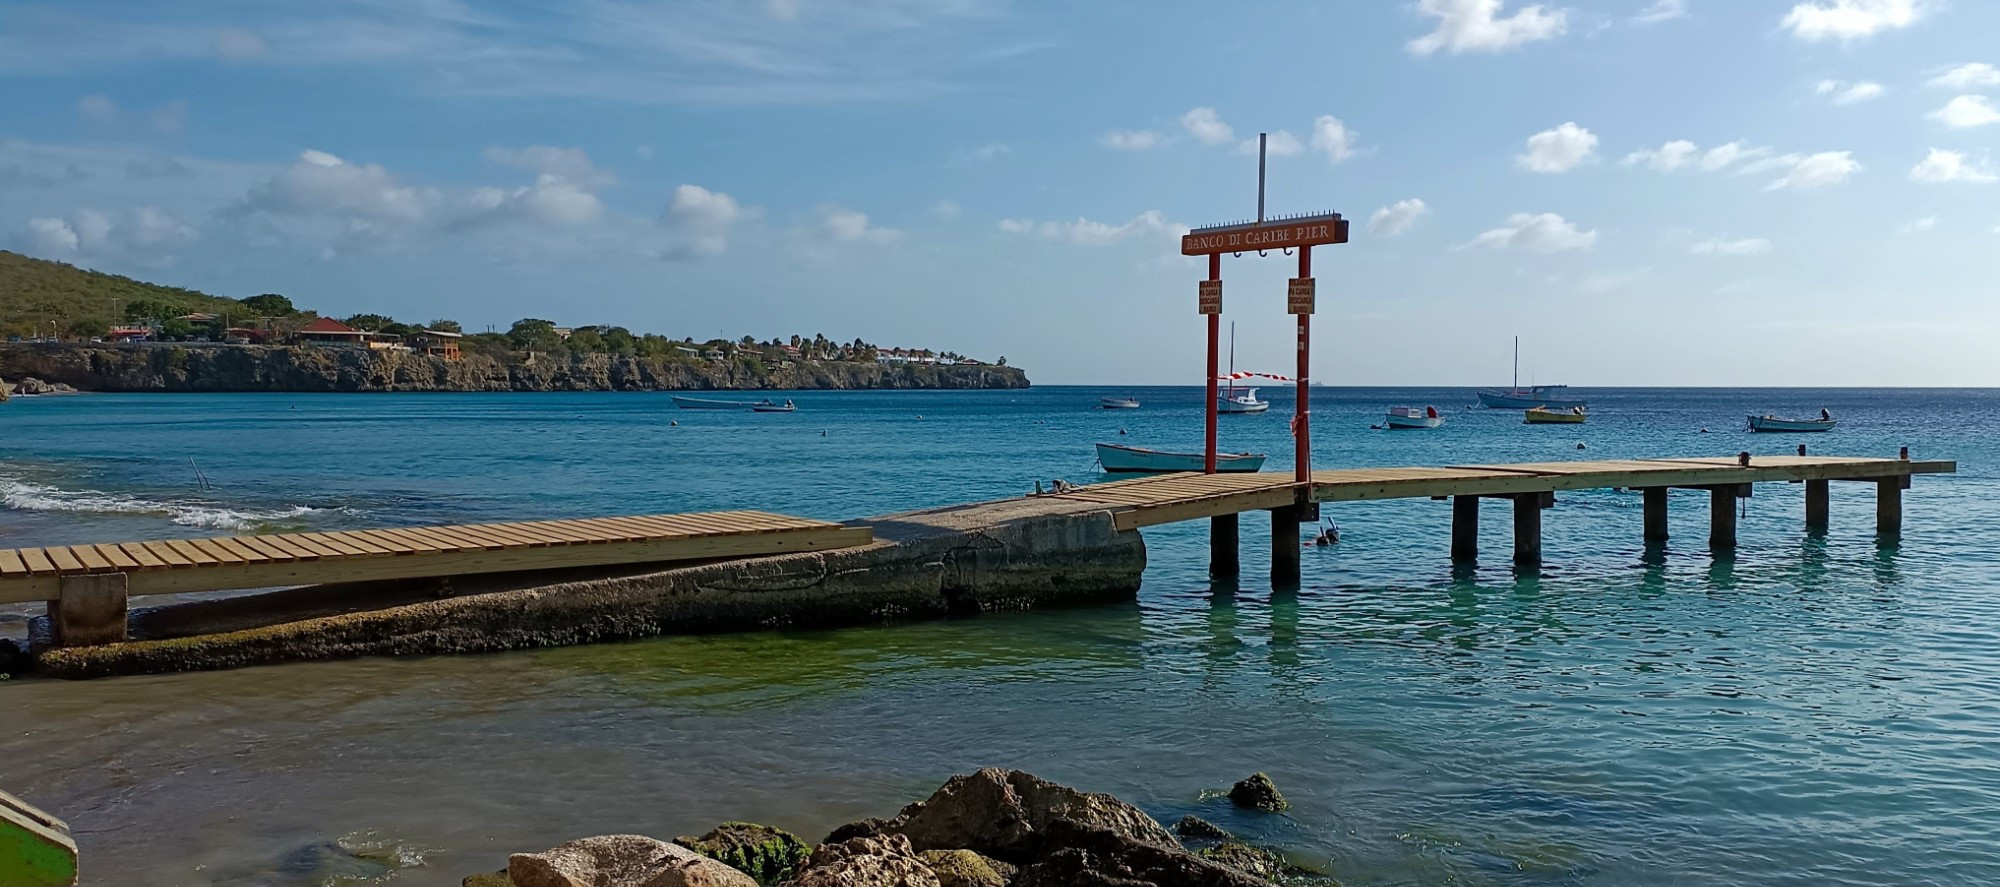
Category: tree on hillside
<point>534,334</point>
<point>151,310</point>
<point>444,326</point>
<point>269,305</point>
<point>372,323</point>
<point>618,340</point>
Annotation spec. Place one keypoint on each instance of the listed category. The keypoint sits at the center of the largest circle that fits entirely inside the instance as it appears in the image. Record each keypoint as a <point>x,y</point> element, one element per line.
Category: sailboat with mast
<point>1233,399</point>
<point>1550,397</point>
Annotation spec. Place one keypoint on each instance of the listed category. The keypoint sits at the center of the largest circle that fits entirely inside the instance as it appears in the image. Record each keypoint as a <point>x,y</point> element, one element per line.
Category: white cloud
<point>1817,171</point>
<point>98,107</point>
<point>145,230</point>
<point>1919,226</point>
<point>1717,246</point>
<point>1543,233</point>
<point>1666,158</point>
<point>1722,156</point>
<point>1967,111</point>
<point>1975,75</point>
<point>1845,93</point>
<point>1206,127</point>
<point>1850,19</point>
<point>1660,11</point>
<point>1559,149</point>
<point>1477,26</point>
<point>1279,144</point>
<point>171,117</point>
<point>946,209</point>
<point>984,153</point>
<point>1602,282</point>
<point>1397,218</point>
<point>323,185</point>
<point>238,44</point>
<point>553,199</point>
<point>849,226</point>
<point>1132,140</point>
<point>702,218</point>
<point>1332,138</point>
<point>570,164</point>
<point>1088,233</point>
<point>1943,166</point>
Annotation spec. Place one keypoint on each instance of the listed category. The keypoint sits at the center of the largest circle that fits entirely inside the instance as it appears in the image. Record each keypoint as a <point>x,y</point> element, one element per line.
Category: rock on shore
<point>166,367</point>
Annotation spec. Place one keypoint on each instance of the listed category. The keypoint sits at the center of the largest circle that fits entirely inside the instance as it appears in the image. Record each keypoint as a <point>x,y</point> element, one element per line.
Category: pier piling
<point>1527,529</point>
<point>1818,505</point>
<point>1655,500</point>
<point>1224,548</point>
<point>89,610</point>
<point>1889,507</point>
<point>1285,547</point>
<point>1722,518</point>
<point>1464,529</point>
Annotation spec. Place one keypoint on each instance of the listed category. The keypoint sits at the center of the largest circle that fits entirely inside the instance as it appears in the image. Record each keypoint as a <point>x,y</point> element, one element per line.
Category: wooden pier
<point>87,586</point>
<point>1530,487</point>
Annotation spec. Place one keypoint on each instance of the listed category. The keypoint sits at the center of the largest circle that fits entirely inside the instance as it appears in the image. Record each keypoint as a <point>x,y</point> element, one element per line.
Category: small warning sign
<point>1299,296</point>
<point>1209,300</point>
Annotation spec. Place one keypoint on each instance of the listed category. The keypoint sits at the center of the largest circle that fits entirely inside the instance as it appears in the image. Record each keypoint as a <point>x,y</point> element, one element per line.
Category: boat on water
<point>1232,399</point>
<point>1554,397</point>
<point>765,406</point>
<point>1117,403</point>
<point>1401,418</point>
<point>1545,416</point>
<point>1116,459</point>
<point>1770,423</point>
<point>697,403</point>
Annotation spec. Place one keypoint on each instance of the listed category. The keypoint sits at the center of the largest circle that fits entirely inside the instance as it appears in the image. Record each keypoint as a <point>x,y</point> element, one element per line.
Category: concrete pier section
<point>1008,555</point>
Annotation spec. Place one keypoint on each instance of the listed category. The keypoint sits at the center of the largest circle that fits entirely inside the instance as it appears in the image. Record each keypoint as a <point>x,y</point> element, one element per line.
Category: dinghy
<point>1770,423</point>
<point>1116,459</point>
<point>1401,418</point>
<point>696,403</point>
<point>1544,416</point>
<point>1117,403</point>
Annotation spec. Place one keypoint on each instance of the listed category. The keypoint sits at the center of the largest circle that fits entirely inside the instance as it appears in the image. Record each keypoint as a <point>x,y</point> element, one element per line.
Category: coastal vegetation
<point>51,306</point>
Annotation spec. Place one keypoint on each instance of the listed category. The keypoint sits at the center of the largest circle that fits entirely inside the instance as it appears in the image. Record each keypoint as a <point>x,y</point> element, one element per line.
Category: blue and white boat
<point>1550,397</point>
<point>1116,459</point>
<point>696,403</point>
<point>1402,418</point>
<point>1117,403</point>
<point>1770,423</point>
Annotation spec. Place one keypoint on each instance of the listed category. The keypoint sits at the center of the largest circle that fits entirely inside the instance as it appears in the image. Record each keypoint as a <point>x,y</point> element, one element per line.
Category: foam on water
<point>24,495</point>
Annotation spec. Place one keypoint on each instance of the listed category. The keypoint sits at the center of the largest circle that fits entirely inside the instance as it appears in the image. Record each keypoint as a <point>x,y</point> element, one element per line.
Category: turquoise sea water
<point>1814,710</point>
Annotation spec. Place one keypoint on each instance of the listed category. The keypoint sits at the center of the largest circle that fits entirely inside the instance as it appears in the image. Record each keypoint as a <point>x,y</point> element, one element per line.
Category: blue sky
<point>1648,192</point>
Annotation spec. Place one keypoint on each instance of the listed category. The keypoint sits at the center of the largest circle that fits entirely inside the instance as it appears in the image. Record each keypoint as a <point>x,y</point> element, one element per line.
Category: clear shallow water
<point>1813,711</point>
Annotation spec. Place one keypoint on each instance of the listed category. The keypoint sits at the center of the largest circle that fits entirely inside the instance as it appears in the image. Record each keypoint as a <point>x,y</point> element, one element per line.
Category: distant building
<point>714,354</point>
<point>688,350</point>
<point>326,331</point>
<point>130,334</point>
<point>436,343</point>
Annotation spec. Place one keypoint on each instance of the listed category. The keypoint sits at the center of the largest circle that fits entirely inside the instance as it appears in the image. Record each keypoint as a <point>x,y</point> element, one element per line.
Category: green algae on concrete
<point>35,848</point>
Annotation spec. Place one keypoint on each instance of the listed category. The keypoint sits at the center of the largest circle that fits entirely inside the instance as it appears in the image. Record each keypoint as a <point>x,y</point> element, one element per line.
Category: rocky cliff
<point>271,368</point>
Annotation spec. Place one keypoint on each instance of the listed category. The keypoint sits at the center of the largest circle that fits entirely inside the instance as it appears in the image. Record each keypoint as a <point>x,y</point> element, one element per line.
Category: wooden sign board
<point>1299,297</point>
<point>1209,297</point>
<point>1311,231</point>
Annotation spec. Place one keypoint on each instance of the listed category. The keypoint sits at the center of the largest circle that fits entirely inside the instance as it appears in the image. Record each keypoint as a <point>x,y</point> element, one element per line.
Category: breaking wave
<point>24,495</point>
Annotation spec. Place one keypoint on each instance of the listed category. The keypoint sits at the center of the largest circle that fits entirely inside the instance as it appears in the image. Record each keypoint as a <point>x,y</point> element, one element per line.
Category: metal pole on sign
<point>1303,417</point>
<point>1214,352</point>
<point>1261,137</point>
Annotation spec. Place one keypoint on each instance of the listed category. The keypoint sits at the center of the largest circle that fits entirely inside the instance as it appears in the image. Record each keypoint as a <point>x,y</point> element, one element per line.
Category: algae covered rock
<point>621,861</point>
<point>964,868</point>
<point>1081,856</point>
<point>760,851</point>
<point>488,879</point>
<point>1258,793</point>
<point>1246,859</point>
<point>1196,828</point>
<point>1005,814</point>
<point>886,861</point>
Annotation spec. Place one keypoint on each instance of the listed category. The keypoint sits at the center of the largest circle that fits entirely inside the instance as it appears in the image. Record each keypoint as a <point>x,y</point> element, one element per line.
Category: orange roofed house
<point>327,331</point>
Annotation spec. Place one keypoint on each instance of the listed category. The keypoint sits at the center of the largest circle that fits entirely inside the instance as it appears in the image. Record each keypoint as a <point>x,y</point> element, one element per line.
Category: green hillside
<point>72,301</point>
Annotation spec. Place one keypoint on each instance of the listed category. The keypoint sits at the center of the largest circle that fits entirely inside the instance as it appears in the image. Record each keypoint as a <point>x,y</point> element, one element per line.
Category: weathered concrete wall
<point>1010,555</point>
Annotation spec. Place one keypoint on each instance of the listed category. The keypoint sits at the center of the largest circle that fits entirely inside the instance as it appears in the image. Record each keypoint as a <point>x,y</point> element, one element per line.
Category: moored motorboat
<point>1117,403</point>
<point>1117,459</point>
<point>1400,418</point>
<point>1543,416</point>
<point>1770,423</point>
<point>697,403</point>
<point>765,406</point>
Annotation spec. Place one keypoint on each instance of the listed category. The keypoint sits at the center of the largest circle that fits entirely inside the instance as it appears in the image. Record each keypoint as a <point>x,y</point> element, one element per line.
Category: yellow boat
<point>1545,416</point>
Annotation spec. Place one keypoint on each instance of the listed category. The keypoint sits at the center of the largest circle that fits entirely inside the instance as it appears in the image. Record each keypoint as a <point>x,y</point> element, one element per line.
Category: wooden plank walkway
<point>184,565</point>
<point>1172,498</point>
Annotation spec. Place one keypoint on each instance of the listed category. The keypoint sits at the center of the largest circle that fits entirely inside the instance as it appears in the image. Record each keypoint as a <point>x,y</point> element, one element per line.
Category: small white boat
<point>1117,403</point>
<point>765,406</point>
<point>1770,423</point>
<point>696,403</point>
<point>1240,400</point>
<point>1411,417</point>
<point>1116,459</point>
